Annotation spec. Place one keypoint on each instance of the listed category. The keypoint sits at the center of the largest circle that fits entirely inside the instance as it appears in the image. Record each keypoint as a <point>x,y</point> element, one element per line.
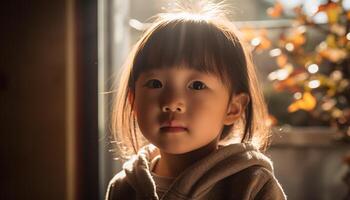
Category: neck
<point>171,165</point>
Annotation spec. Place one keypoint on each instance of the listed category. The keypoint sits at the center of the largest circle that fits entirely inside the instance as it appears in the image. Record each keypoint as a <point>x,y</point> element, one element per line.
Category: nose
<point>171,108</point>
<point>173,102</point>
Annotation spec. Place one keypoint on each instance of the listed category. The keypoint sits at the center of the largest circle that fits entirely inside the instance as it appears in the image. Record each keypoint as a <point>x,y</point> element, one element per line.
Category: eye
<point>198,85</point>
<point>154,83</point>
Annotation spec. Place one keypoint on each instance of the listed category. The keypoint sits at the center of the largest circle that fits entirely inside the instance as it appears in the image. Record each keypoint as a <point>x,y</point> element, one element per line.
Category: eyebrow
<point>148,74</point>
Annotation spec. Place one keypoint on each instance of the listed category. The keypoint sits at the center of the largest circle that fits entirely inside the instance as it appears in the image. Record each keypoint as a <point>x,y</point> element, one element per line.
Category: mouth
<point>173,129</point>
<point>173,126</point>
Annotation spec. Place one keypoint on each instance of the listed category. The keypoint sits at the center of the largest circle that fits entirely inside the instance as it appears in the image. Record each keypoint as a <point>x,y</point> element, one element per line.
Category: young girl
<point>189,88</point>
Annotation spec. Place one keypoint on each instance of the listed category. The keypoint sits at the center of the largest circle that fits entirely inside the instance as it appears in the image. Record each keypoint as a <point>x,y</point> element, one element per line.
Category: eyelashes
<point>155,84</point>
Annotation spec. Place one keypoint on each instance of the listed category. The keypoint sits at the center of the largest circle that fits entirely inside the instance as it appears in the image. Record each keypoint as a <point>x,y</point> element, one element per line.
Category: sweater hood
<point>200,176</point>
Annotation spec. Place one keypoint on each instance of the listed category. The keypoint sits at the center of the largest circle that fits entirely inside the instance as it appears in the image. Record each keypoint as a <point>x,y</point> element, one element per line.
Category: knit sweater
<point>236,171</point>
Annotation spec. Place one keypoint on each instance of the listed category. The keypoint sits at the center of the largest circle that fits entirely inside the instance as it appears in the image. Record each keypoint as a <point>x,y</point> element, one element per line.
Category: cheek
<point>145,108</point>
<point>208,113</point>
<point>140,99</point>
<point>215,104</point>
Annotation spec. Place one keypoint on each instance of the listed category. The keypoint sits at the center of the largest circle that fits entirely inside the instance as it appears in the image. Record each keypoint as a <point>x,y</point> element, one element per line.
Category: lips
<point>172,126</point>
<point>173,129</point>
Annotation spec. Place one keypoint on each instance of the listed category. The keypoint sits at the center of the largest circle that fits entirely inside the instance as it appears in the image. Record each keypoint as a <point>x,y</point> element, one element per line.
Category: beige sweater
<point>236,171</point>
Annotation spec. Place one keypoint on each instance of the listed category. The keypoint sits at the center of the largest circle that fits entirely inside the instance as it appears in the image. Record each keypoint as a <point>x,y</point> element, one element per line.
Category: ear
<point>236,108</point>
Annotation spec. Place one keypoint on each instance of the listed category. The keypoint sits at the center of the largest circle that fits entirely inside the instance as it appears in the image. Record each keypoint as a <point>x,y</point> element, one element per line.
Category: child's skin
<point>194,104</point>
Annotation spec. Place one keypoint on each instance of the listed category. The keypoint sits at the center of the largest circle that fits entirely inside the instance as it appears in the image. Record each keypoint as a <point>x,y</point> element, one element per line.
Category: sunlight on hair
<point>196,10</point>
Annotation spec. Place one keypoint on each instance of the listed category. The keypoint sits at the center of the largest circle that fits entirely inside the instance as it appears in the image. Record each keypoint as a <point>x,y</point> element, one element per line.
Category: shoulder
<point>271,189</point>
<point>257,182</point>
<point>268,188</point>
<point>119,188</point>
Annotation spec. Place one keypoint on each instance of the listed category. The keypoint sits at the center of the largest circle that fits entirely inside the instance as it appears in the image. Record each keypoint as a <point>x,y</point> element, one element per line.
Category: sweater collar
<point>200,176</point>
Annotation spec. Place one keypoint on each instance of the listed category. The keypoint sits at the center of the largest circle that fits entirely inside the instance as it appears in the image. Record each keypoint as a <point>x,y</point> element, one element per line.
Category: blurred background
<point>60,59</point>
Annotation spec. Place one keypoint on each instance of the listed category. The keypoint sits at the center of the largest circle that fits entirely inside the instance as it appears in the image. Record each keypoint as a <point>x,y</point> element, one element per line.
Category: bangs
<point>193,44</point>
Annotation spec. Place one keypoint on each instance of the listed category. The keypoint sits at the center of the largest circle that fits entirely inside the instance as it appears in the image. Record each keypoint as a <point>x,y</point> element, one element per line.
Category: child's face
<point>180,109</point>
